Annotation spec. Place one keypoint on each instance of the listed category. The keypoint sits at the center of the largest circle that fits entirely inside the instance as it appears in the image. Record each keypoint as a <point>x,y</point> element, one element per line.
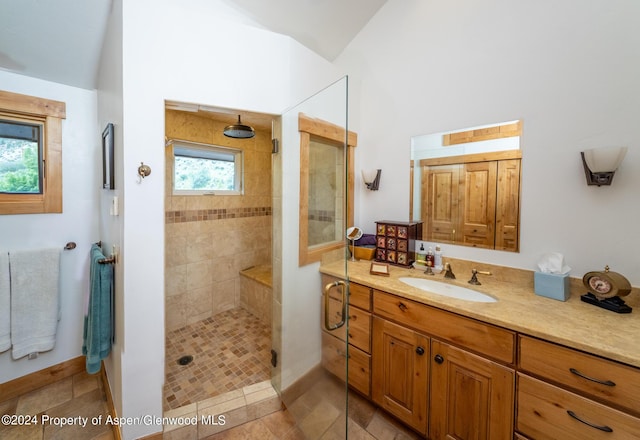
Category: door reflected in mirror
<point>465,186</point>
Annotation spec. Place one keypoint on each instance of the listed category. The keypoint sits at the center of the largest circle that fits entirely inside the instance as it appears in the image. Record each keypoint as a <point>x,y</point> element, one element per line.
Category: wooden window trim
<point>308,126</point>
<point>50,113</point>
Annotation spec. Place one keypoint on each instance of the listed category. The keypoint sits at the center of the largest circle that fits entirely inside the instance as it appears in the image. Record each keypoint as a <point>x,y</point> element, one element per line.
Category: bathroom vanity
<point>522,367</point>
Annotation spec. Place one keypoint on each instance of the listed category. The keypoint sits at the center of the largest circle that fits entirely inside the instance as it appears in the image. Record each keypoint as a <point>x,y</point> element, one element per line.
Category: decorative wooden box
<point>396,241</point>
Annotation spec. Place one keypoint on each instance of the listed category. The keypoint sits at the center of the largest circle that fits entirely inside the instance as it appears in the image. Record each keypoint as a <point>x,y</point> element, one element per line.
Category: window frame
<point>330,133</point>
<point>49,113</point>
<point>237,153</point>
<point>4,118</point>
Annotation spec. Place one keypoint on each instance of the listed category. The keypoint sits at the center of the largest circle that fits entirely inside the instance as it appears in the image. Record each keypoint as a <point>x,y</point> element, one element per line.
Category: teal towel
<point>98,322</point>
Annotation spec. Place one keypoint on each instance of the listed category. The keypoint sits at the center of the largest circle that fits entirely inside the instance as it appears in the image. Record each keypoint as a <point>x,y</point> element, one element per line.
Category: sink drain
<point>185,360</point>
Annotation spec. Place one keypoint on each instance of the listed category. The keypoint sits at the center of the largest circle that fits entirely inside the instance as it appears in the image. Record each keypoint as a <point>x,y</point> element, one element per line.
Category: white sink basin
<point>450,290</point>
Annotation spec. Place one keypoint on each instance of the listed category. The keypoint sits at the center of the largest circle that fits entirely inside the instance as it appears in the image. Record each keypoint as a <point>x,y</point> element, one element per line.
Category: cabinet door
<point>508,205</point>
<point>471,397</point>
<point>440,212</point>
<point>477,202</point>
<point>400,372</point>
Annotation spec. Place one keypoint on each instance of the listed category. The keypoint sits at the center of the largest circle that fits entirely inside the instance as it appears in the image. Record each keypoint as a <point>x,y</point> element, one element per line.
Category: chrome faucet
<point>474,276</point>
<point>448,272</point>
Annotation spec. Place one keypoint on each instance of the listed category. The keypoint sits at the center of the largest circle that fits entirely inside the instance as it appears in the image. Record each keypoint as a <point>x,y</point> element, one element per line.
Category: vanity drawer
<point>543,413</point>
<point>495,342</point>
<point>334,360</point>
<point>359,323</point>
<point>604,380</point>
<point>360,329</point>
<point>360,296</point>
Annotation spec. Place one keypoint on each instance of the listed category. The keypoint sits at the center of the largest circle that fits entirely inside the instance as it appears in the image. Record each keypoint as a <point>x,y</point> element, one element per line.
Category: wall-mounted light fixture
<point>371,179</point>
<point>601,163</point>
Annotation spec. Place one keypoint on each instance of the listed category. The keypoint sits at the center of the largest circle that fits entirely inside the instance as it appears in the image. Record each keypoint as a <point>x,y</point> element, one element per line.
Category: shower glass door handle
<point>327,301</point>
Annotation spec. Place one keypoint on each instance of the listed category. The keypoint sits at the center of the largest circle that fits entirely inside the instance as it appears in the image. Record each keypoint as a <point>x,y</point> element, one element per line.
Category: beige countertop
<point>573,323</point>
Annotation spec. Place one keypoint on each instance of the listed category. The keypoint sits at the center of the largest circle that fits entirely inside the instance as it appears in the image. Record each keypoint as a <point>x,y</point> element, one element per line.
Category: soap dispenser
<point>430,257</point>
<point>421,254</point>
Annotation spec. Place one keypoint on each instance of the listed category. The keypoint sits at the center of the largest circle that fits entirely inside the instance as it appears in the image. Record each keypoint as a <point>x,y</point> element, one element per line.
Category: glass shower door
<point>311,212</point>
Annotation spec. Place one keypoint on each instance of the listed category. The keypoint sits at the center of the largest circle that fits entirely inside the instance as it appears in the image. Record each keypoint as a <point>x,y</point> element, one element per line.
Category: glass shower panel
<point>314,396</point>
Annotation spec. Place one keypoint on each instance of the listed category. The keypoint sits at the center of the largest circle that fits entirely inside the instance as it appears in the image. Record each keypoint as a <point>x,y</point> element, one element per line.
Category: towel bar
<point>109,260</point>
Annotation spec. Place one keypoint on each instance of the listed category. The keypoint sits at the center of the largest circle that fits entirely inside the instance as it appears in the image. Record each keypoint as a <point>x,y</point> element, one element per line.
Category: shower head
<point>239,130</point>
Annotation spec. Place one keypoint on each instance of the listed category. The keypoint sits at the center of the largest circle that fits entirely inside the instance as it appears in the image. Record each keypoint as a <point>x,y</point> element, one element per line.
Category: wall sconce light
<point>601,163</point>
<point>371,179</point>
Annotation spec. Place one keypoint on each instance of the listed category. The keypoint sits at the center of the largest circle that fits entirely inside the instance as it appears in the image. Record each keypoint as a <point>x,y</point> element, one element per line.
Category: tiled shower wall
<point>210,239</point>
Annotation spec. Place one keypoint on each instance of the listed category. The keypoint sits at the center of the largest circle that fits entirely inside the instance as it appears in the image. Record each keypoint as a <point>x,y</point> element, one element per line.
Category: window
<point>326,186</point>
<point>30,154</point>
<point>206,169</point>
<point>20,157</point>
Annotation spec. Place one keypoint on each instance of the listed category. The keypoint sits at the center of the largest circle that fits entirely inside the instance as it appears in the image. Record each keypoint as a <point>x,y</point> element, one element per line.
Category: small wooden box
<point>396,241</point>
<point>363,253</point>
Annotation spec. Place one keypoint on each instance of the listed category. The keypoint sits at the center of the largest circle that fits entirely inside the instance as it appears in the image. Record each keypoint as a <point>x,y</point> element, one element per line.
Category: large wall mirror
<point>466,186</point>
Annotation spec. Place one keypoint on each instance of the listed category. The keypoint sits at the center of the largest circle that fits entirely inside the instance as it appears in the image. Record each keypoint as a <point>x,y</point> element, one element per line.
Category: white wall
<point>183,52</point>
<point>78,221</point>
<point>568,69</point>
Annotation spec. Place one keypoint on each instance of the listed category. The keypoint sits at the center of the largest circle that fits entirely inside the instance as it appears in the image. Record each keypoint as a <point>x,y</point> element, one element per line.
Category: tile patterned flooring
<point>81,395</point>
<point>230,350</point>
<point>319,414</point>
<point>230,376</point>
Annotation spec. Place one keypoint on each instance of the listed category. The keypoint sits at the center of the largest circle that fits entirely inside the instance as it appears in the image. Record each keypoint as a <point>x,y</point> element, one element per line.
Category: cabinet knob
<point>439,359</point>
<point>420,351</point>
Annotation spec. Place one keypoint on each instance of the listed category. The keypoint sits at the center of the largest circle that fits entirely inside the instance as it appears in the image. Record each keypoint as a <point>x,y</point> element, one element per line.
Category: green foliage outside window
<point>203,174</point>
<point>19,171</point>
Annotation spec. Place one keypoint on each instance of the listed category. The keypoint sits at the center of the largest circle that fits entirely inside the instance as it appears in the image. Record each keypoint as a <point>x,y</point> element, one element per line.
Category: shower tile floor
<point>230,350</point>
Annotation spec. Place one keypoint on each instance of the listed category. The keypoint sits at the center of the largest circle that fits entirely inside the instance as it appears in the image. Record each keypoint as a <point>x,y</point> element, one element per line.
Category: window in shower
<point>206,169</point>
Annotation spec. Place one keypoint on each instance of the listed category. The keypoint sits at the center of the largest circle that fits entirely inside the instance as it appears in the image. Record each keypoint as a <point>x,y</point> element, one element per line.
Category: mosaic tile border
<point>322,215</point>
<point>197,215</point>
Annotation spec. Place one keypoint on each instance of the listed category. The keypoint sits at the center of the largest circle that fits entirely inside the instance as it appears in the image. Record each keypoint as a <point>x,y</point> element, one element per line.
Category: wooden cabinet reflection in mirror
<point>470,199</point>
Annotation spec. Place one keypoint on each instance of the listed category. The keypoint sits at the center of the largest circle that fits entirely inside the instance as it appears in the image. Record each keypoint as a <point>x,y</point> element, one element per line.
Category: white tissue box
<point>552,285</point>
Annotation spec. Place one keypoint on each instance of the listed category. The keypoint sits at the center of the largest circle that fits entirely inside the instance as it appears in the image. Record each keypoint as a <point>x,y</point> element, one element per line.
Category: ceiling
<point>61,40</point>
<point>55,40</point>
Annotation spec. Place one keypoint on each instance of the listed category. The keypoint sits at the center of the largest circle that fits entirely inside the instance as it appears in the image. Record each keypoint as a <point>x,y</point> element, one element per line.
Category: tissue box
<point>552,285</point>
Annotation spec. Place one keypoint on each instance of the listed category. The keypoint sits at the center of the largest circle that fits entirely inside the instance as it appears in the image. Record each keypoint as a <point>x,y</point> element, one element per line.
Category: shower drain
<point>185,360</point>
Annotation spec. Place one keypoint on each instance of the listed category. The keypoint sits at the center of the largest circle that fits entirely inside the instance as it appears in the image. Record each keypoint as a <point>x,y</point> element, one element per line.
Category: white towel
<point>5,303</point>
<point>34,300</point>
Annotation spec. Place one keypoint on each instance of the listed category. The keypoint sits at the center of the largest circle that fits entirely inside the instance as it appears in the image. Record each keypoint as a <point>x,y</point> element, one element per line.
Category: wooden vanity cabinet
<point>471,397</point>
<point>400,372</point>
<point>357,330</point>
<point>569,394</point>
<point>452,377</point>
